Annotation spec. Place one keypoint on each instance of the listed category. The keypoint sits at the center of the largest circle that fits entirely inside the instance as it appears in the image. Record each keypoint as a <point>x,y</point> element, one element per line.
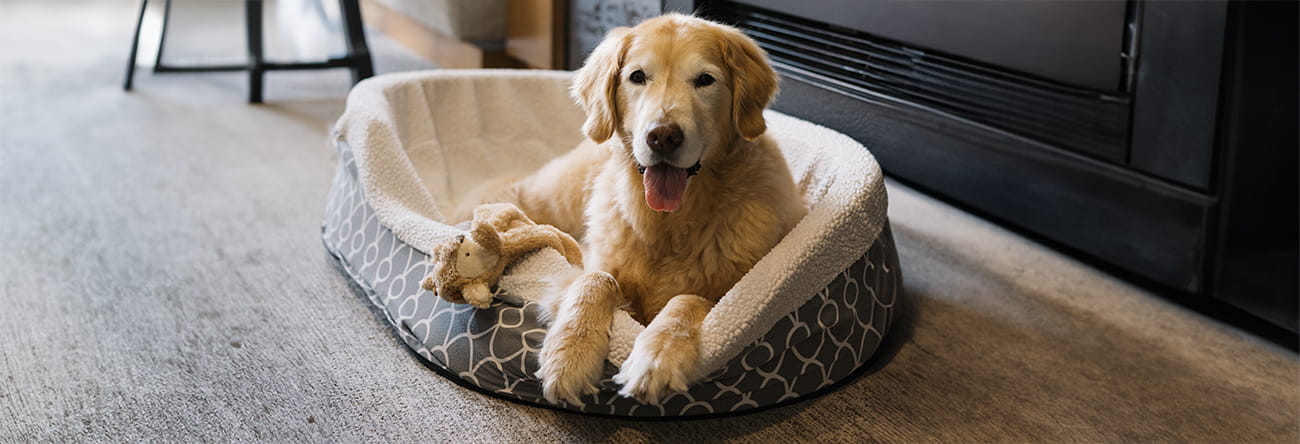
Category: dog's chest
<point>698,257</point>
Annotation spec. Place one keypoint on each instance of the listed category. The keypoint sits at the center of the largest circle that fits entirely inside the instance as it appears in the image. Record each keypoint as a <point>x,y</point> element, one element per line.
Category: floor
<point>162,278</point>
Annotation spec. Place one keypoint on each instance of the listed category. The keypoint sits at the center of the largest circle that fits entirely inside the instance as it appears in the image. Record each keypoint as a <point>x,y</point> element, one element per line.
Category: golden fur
<point>667,269</point>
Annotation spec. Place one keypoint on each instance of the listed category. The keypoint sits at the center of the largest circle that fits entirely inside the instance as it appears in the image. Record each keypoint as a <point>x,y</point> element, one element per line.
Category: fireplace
<point>1156,139</point>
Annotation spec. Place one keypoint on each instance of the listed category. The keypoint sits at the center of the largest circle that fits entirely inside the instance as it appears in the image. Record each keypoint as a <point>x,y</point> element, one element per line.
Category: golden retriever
<point>675,196</point>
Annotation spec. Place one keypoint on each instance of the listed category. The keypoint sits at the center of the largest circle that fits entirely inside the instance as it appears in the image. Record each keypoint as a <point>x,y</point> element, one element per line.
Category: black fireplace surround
<point>1155,139</point>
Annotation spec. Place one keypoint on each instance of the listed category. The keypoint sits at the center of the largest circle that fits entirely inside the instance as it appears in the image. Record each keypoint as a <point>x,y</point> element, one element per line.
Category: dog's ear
<point>753,83</point>
<point>596,86</point>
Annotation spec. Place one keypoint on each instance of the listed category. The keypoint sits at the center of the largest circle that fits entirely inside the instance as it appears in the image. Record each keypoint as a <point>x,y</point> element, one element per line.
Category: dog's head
<point>677,90</point>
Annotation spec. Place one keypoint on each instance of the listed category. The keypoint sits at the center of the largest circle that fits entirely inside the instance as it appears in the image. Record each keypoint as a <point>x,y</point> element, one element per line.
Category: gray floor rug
<point>162,278</point>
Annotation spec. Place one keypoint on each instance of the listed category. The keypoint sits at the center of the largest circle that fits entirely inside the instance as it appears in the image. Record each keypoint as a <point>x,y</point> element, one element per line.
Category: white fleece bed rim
<point>403,129</point>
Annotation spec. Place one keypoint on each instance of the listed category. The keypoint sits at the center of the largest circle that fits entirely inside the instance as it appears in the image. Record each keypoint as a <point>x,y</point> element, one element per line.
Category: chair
<point>357,58</point>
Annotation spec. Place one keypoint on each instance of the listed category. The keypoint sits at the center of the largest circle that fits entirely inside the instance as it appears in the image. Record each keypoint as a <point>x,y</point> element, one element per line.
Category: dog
<point>676,195</point>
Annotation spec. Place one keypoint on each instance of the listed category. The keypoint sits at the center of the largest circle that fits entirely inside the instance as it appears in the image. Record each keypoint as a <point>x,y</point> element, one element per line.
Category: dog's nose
<point>665,139</point>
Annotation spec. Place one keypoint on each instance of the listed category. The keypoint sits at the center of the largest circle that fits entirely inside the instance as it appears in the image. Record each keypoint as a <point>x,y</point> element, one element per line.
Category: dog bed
<point>808,315</point>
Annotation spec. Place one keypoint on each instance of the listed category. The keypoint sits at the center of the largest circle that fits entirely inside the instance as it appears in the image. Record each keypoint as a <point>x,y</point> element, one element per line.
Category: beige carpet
<point>162,278</point>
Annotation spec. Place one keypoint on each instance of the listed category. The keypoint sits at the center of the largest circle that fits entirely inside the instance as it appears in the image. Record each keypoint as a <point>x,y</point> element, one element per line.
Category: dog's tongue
<point>664,186</point>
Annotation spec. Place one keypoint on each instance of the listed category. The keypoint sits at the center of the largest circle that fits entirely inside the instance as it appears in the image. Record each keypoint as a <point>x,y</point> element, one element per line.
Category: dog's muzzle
<point>693,170</point>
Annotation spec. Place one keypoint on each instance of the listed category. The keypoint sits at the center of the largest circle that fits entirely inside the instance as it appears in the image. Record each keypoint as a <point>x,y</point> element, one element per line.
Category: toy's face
<point>472,259</point>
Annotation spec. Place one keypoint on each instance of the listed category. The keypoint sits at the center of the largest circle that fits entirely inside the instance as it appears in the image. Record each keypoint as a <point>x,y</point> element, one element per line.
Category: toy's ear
<point>595,87</point>
<point>443,274</point>
<point>485,235</point>
<point>753,83</point>
<point>443,256</point>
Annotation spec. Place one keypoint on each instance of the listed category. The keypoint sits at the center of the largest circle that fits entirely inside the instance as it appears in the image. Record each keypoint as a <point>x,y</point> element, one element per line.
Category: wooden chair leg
<point>135,45</point>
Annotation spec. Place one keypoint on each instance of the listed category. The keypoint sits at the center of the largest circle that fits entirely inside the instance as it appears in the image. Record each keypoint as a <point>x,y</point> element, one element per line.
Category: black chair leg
<point>256,67</point>
<point>362,66</point>
<point>135,45</point>
<point>358,59</point>
<point>162,34</point>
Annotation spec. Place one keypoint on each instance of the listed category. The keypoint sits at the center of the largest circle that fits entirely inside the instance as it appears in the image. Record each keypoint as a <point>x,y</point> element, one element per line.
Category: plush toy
<point>467,267</point>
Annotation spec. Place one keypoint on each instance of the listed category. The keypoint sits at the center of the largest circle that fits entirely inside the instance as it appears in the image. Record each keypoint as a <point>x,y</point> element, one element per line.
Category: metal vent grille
<point>1077,119</point>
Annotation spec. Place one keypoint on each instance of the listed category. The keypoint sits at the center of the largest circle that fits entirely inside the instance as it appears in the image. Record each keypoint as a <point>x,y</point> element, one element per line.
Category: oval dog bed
<point>807,315</point>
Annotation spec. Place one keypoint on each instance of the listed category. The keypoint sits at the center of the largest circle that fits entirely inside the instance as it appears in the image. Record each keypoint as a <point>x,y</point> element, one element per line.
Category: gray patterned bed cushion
<point>495,350</point>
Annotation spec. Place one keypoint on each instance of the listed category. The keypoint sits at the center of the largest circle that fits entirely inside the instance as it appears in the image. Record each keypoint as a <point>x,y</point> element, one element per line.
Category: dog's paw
<point>569,369</point>
<point>659,365</point>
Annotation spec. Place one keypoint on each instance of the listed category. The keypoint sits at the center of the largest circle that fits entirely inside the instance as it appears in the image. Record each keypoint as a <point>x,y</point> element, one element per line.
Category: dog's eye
<point>704,80</point>
<point>637,77</point>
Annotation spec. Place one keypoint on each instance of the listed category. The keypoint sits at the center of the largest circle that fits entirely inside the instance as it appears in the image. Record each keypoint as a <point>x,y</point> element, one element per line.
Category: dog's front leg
<point>665,357</point>
<point>573,354</point>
